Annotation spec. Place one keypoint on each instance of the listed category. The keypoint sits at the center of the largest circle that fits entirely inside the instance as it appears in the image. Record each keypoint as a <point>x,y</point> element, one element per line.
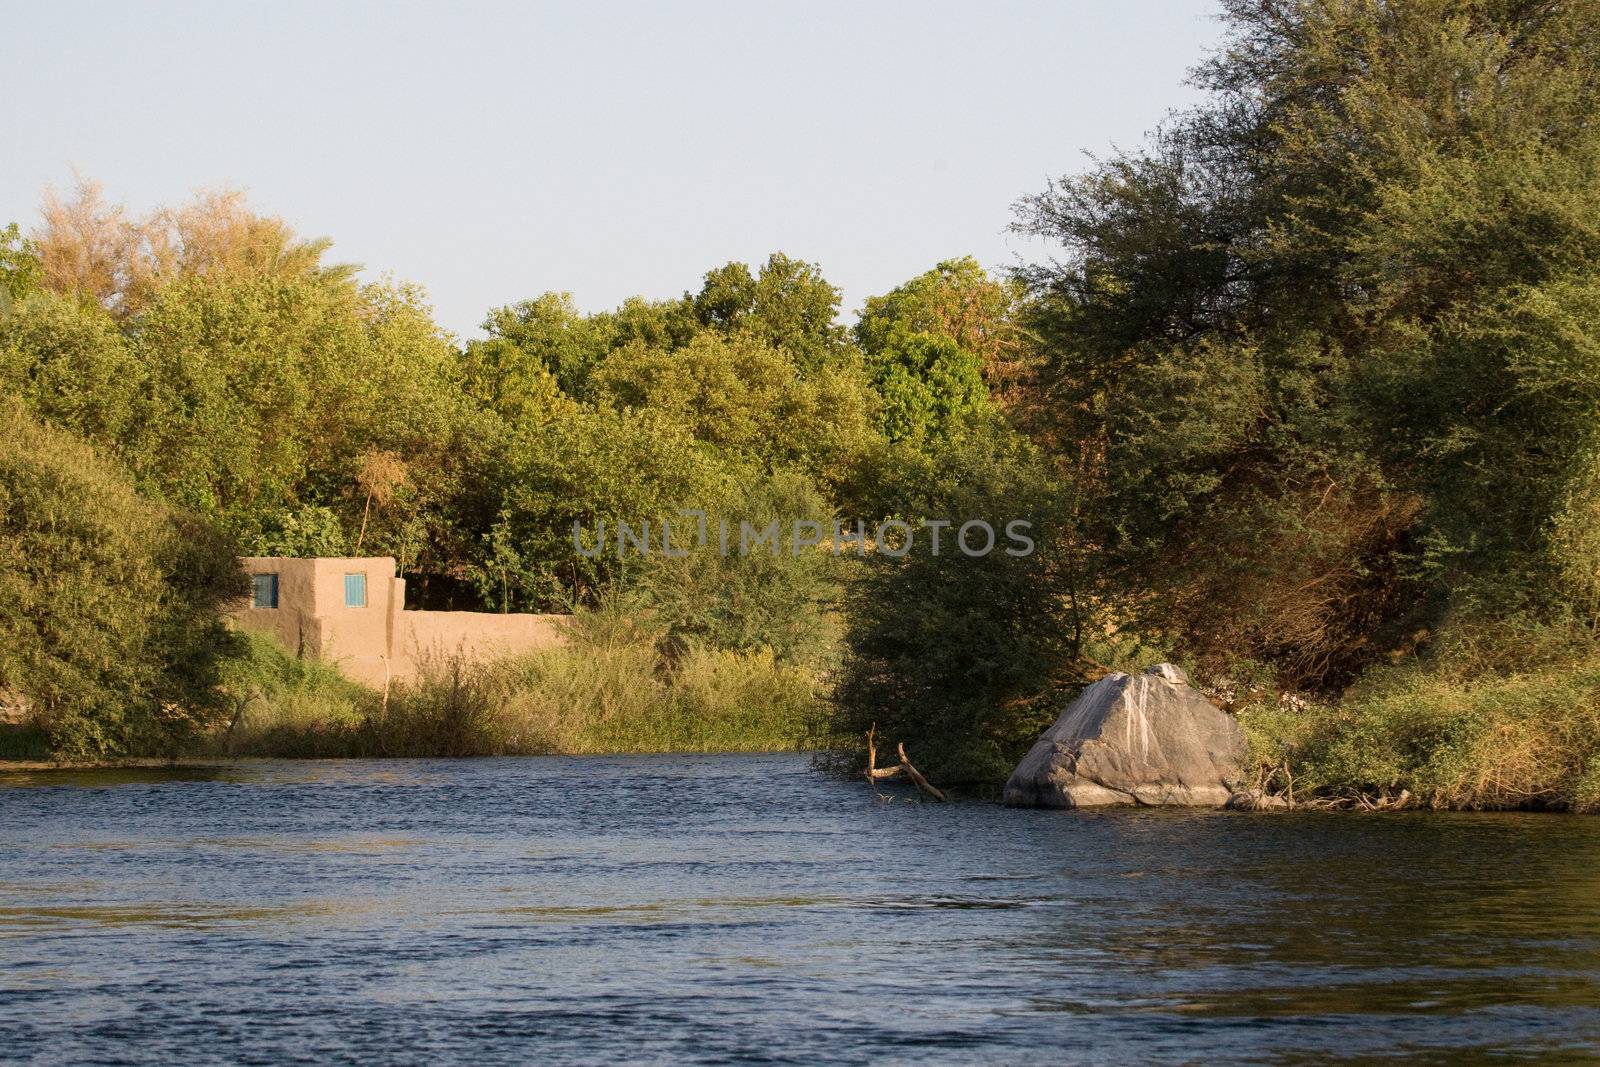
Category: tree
<point>109,603</point>
<point>748,399</point>
<point>1303,345</point>
<point>931,388</point>
<point>259,401</point>
<point>593,468</point>
<point>19,267</point>
<point>531,342</point>
<point>94,250</point>
<point>961,656</point>
<point>956,300</point>
<point>936,346</point>
<point>788,305</point>
<point>75,369</point>
<point>379,474</point>
<point>781,601</point>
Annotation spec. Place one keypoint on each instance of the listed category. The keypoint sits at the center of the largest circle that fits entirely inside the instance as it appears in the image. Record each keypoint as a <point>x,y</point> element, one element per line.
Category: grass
<point>610,690</point>
<point>286,706</point>
<point>1513,722</point>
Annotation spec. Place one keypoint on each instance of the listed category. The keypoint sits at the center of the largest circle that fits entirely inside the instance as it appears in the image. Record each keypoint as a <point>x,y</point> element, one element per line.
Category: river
<point>749,909</point>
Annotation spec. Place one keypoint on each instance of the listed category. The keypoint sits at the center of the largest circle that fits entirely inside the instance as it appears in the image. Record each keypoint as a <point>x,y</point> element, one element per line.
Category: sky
<point>494,151</point>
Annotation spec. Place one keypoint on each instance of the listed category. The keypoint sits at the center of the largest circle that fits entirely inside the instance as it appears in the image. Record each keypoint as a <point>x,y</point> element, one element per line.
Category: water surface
<point>731,909</point>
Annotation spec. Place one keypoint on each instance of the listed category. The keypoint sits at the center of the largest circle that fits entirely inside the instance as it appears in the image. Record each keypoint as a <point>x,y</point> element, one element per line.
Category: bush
<point>1484,723</point>
<point>609,690</point>
<point>110,629</point>
<point>283,705</point>
<point>961,657</point>
<point>782,602</point>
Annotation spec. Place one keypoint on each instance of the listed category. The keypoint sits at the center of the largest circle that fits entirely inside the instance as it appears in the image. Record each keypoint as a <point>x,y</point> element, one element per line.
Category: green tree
<point>593,468</point>
<point>960,656</point>
<point>748,399</point>
<point>930,387</point>
<point>776,599</point>
<point>74,368</point>
<point>19,267</point>
<point>305,532</point>
<point>109,603</point>
<point>788,305</point>
<point>957,300</point>
<point>1319,349</point>
<point>530,342</point>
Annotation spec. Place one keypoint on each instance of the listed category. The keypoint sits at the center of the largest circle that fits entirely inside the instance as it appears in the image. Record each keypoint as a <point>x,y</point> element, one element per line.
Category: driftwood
<point>875,772</point>
<point>1352,800</point>
<point>1384,802</point>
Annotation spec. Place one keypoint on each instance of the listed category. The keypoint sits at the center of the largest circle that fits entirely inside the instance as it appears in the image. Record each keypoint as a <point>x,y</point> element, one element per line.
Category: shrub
<point>1478,724</point>
<point>783,602</point>
<point>110,629</point>
<point>608,690</point>
<point>961,657</point>
<point>283,705</point>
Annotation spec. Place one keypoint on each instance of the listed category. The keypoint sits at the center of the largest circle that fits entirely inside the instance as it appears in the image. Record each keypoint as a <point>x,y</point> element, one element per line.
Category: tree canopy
<point>1320,347</point>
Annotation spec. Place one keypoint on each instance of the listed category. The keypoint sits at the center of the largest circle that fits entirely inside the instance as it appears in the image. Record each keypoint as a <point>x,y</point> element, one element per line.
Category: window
<point>355,590</point>
<point>264,591</point>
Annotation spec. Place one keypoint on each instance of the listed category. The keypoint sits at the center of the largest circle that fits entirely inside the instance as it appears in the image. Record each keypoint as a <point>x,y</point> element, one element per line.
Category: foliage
<point>931,388</point>
<point>19,267</point>
<point>109,630</point>
<point>592,468</point>
<point>1322,352</point>
<point>957,656</point>
<point>253,401</point>
<point>748,399</point>
<point>782,602</point>
<point>94,250</point>
<point>531,346</point>
<point>935,345</point>
<point>1506,716</point>
<point>787,305</point>
<point>308,531</point>
<point>608,691</point>
<point>282,705</point>
<point>956,300</point>
<point>75,369</point>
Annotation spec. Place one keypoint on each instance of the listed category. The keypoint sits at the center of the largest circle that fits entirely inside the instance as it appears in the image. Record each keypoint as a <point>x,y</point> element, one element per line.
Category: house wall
<point>381,642</point>
<point>294,621</point>
<point>475,635</point>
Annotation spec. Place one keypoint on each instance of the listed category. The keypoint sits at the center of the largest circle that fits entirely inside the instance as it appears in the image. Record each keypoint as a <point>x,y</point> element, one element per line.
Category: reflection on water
<point>108,777</point>
<point>746,909</point>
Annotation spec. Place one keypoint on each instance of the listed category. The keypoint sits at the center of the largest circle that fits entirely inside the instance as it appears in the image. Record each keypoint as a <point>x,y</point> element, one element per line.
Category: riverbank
<point>1477,726</point>
<point>611,690</point>
<point>1453,734</point>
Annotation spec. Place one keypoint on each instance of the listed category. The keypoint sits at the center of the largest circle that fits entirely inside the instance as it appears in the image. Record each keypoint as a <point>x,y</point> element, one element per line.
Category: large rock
<point>1133,739</point>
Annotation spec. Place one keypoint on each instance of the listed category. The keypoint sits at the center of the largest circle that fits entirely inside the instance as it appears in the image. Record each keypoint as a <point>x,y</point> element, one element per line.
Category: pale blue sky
<point>492,151</point>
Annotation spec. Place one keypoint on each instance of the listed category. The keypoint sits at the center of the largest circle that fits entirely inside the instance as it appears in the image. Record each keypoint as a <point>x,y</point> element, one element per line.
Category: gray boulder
<point>1133,739</point>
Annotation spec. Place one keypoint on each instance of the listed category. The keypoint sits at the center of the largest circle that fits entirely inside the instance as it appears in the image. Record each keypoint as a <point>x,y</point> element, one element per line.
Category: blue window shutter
<point>355,590</point>
<point>264,591</point>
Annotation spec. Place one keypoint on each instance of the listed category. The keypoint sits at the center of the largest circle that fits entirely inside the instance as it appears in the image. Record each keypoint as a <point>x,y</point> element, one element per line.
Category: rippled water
<point>747,909</point>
